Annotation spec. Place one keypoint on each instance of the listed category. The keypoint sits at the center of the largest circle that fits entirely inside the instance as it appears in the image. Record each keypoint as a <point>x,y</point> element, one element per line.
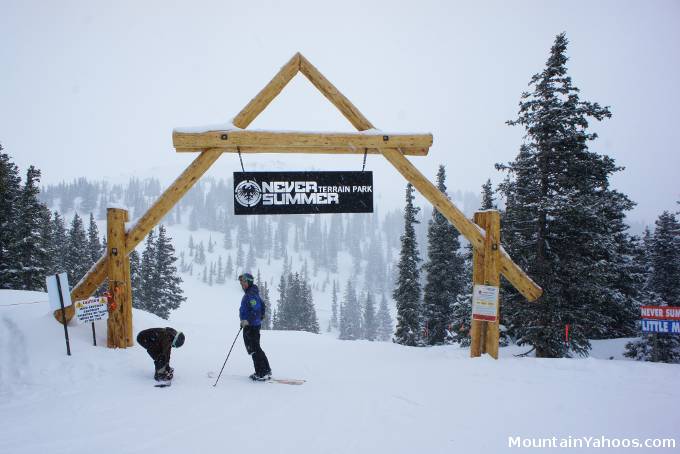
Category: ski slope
<point>360,396</point>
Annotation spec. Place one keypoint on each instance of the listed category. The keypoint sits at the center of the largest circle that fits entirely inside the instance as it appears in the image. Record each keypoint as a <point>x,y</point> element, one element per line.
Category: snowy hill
<point>360,397</point>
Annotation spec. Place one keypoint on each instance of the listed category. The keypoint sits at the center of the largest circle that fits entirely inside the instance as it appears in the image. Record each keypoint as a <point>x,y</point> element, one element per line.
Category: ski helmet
<point>247,277</point>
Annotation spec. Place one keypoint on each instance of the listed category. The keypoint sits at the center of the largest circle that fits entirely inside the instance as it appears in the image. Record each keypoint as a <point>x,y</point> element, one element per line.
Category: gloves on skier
<point>244,323</point>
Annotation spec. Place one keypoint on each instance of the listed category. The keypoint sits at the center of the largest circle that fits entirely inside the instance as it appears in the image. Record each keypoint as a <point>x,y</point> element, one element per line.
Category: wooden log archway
<point>234,137</point>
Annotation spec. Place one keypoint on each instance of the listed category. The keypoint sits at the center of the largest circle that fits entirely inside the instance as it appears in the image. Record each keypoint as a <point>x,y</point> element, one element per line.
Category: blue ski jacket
<point>251,306</point>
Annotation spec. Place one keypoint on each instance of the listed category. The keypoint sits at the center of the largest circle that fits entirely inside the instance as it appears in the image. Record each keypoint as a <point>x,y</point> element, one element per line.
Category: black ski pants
<point>251,337</point>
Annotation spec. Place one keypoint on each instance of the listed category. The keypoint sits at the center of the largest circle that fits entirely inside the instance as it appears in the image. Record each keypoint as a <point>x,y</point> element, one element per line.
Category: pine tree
<point>385,328</point>
<point>370,325</point>
<point>220,271</point>
<point>169,291</point>
<point>199,255</point>
<point>239,257</point>
<point>9,196</point>
<point>661,260</point>
<point>562,220</point>
<point>135,277</point>
<point>445,273</point>
<point>94,247</point>
<point>149,291</point>
<point>375,266</point>
<point>264,295</point>
<point>281,303</point>
<point>229,270</point>
<point>77,254</point>
<point>665,259</point>
<point>58,245</point>
<point>308,317</point>
<point>350,314</point>
<point>334,306</point>
<point>31,257</point>
<point>487,196</point>
<point>407,291</point>
<point>192,246</point>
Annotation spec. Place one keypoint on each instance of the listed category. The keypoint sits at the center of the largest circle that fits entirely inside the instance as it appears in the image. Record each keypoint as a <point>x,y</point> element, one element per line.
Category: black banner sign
<point>303,192</point>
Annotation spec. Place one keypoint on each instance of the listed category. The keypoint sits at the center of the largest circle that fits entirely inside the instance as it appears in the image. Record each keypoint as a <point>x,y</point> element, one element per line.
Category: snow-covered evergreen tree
<point>229,269</point>
<point>350,314</point>
<point>240,260</point>
<point>77,253</point>
<point>559,212</point>
<point>370,322</point>
<point>334,306</point>
<point>148,290</point>
<point>281,303</point>
<point>9,195</point>
<point>444,273</point>
<point>308,318</point>
<point>94,246</point>
<point>487,196</point>
<point>662,288</point>
<point>31,261</point>
<point>264,295</point>
<point>295,310</point>
<point>385,328</point>
<point>169,291</point>
<point>220,278</point>
<point>407,292</point>
<point>58,244</point>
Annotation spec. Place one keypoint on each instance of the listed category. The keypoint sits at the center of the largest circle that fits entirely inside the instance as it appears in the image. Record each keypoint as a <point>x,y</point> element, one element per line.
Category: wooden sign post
<point>485,271</point>
<point>119,325</point>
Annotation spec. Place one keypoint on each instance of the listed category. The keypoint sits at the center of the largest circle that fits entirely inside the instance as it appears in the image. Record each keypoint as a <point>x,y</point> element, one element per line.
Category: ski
<point>162,384</point>
<point>287,381</point>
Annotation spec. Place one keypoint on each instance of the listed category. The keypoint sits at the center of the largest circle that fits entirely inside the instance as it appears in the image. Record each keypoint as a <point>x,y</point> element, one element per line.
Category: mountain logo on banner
<point>248,193</point>
<point>303,192</point>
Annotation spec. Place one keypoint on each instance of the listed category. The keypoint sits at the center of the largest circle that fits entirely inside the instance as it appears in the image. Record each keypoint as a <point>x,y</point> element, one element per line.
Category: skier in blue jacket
<point>251,313</point>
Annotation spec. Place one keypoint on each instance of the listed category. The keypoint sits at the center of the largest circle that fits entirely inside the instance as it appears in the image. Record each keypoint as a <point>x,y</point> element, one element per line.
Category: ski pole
<point>225,361</point>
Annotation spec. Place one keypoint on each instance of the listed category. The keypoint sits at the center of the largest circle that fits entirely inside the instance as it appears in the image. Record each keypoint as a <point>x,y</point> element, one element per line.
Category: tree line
<point>564,225</point>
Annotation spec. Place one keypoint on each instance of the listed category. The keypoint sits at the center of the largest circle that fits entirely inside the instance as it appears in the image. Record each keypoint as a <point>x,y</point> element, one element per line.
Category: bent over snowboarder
<point>158,342</point>
<point>251,313</point>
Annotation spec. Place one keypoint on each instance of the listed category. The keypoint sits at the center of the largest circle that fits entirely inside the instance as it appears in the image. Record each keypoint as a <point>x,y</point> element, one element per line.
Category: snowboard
<point>163,384</point>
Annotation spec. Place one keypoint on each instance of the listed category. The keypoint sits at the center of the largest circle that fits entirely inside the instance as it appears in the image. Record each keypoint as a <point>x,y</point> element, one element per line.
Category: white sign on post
<point>91,310</point>
<point>53,292</point>
<point>485,303</point>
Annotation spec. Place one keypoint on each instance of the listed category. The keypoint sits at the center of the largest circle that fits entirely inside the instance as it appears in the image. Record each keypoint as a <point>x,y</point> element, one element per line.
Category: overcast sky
<point>94,88</point>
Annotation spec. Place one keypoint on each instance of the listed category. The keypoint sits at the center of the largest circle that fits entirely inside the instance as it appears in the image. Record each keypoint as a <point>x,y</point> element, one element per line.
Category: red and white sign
<point>660,312</point>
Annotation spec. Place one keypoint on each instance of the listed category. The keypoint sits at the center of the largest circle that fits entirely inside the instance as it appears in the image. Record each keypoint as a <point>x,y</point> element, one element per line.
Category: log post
<point>486,271</point>
<point>119,324</point>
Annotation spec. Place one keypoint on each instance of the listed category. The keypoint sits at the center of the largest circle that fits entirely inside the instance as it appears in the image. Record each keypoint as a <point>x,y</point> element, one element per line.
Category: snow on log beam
<point>299,141</point>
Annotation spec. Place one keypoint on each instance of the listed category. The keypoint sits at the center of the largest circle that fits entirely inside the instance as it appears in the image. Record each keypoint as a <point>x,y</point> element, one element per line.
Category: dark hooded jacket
<point>157,342</point>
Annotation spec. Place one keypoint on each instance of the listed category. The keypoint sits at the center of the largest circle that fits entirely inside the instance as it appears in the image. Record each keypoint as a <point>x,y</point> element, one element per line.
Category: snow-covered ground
<point>360,397</point>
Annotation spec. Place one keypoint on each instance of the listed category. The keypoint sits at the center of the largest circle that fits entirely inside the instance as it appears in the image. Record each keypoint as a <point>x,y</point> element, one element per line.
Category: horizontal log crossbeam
<point>300,142</point>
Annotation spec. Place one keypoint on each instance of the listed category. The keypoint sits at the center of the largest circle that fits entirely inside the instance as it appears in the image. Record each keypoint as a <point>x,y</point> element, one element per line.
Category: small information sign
<point>91,310</point>
<point>54,288</point>
<point>485,303</point>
